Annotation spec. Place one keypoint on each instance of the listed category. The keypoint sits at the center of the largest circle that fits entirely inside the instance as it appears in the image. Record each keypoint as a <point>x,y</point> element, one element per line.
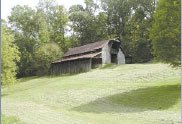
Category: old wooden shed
<point>86,57</point>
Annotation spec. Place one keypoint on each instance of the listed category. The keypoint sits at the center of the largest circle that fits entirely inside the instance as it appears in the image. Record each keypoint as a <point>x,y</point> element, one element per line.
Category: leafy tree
<point>10,55</point>
<point>81,22</point>
<point>44,56</point>
<point>42,27</point>
<point>138,33</point>
<point>118,13</point>
<point>36,27</point>
<point>59,26</point>
<point>101,26</point>
<point>165,32</point>
<point>87,24</point>
<point>72,41</point>
<point>47,7</point>
<point>56,21</point>
<point>130,20</point>
<point>22,21</point>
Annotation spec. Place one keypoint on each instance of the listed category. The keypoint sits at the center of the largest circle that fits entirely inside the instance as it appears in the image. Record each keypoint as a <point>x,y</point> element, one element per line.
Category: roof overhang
<point>91,55</point>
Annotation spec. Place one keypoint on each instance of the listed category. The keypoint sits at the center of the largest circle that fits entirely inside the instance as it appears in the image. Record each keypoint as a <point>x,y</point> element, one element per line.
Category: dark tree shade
<point>165,32</point>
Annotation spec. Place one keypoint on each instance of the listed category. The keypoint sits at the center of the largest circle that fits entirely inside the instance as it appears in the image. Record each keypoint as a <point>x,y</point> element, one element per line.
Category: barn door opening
<point>96,62</point>
<point>114,58</point>
<point>114,52</point>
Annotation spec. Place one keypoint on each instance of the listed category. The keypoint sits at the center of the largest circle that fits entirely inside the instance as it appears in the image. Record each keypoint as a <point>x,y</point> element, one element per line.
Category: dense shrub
<point>44,56</point>
<point>10,55</point>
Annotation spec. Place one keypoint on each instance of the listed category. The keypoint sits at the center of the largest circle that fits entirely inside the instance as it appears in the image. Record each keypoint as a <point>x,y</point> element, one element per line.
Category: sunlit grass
<point>10,120</point>
<point>102,96</point>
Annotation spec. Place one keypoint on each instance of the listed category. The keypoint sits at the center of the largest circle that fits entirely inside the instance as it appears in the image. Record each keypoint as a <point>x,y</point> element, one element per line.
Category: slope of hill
<point>127,94</point>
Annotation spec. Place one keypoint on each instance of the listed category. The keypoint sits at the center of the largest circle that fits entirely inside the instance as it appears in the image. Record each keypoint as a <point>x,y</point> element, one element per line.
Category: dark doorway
<point>96,62</point>
<point>114,58</point>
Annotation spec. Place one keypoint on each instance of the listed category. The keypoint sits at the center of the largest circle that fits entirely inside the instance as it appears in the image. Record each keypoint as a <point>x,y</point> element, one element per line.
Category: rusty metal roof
<point>91,55</point>
<point>85,48</point>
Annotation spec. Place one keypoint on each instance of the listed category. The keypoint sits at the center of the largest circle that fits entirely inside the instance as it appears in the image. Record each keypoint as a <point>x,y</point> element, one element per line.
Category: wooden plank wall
<point>75,66</point>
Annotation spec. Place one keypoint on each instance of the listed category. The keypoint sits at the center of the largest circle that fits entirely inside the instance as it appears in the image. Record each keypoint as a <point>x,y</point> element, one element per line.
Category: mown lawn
<point>125,94</point>
<point>10,120</point>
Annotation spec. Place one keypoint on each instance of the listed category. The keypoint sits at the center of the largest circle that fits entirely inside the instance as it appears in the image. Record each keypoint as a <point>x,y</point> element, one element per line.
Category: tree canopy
<point>37,36</point>
<point>45,55</point>
<point>35,27</point>
<point>10,55</point>
<point>165,32</point>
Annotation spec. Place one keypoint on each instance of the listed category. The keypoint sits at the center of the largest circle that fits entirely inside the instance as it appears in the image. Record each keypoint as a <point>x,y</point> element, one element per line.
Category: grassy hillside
<point>127,94</point>
<point>10,120</point>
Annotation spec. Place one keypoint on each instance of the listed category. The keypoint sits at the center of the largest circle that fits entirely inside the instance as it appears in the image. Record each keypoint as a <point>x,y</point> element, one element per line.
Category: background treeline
<point>34,37</point>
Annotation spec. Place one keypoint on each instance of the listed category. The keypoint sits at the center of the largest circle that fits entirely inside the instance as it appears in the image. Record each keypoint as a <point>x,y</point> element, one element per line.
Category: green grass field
<point>125,94</point>
<point>10,120</point>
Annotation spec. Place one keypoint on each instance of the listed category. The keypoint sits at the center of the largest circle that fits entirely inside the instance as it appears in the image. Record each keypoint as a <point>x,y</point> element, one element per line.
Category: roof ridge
<point>86,48</point>
<point>89,44</point>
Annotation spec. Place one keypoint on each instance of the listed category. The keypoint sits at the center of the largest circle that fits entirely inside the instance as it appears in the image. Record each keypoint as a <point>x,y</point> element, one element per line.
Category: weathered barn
<point>86,57</point>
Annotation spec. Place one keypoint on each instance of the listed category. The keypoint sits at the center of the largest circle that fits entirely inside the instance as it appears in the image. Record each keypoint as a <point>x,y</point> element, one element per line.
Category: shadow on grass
<point>108,66</point>
<point>65,75</point>
<point>3,94</point>
<point>26,79</point>
<point>151,98</point>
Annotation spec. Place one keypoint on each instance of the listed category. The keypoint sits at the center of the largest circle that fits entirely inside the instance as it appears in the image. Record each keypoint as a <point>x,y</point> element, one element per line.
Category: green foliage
<point>86,24</point>
<point>34,27</point>
<point>138,28</point>
<point>10,55</point>
<point>55,17</point>
<point>59,26</point>
<point>72,41</point>
<point>43,30</point>
<point>22,21</point>
<point>118,13</point>
<point>165,32</point>
<point>44,56</point>
<point>130,21</point>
